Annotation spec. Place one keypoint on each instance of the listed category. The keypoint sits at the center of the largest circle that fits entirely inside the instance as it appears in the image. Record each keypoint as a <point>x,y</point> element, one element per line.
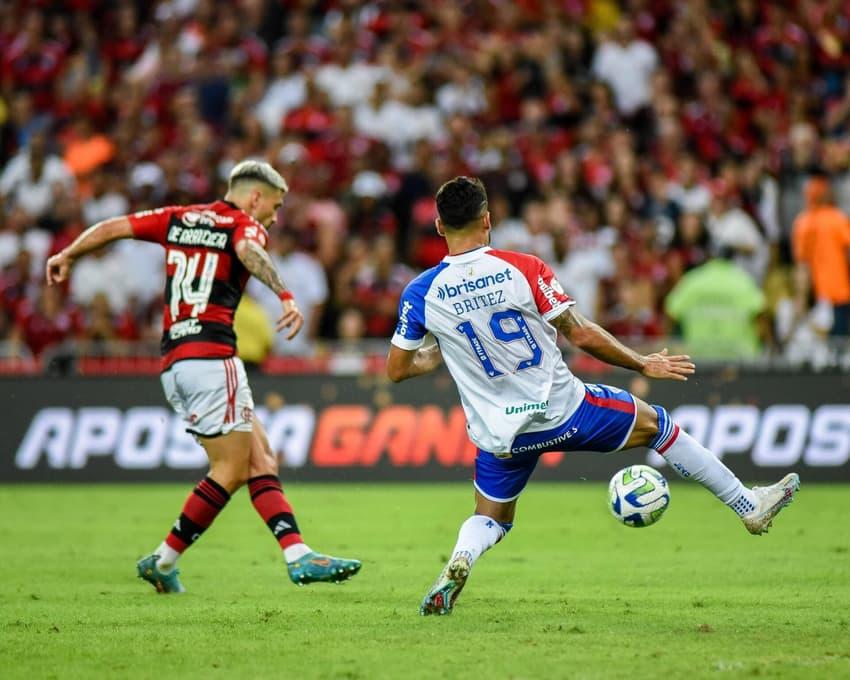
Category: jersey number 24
<point>183,284</point>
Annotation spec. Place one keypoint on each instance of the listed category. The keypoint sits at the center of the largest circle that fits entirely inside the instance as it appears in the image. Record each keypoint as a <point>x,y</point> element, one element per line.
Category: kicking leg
<point>756,507</point>
<point>304,565</point>
<point>229,458</point>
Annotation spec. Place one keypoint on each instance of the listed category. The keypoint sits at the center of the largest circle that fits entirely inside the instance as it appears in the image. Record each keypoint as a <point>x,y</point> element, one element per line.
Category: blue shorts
<point>602,423</point>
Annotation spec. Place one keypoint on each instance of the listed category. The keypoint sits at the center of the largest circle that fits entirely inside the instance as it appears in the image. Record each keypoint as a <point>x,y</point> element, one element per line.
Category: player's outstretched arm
<point>257,261</point>
<point>96,236</point>
<point>409,363</point>
<point>599,343</point>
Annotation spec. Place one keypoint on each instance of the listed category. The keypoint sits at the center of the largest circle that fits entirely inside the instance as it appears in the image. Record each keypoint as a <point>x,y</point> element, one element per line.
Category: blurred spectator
<point>286,91</point>
<point>801,327</point>
<point>464,91</point>
<point>19,283</point>
<point>369,214</point>
<point>798,164</point>
<point>378,286</point>
<point>689,247</point>
<point>626,63</point>
<point>102,326</point>
<point>20,234</point>
<point>47,323</point>
<point>731,228</point>
<point>106,199</point>
<point>254,332</point>
<point>306,279</point>
<point>532,234</point>
<point>633,314</point>
<point>688,192</point>
<point>822,247</point>
<point>761,193</point>
<point>836,163</point>
<point>102,272</point>
<point>717,306</point>
<point>351,327</point>
<point>582,262</point>
<point>31,61</point>
<point>85,149</point>
<point>30,178</point>
<point>346,80</point>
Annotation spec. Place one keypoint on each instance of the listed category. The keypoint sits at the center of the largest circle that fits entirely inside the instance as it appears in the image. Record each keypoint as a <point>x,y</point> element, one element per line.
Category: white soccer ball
<point>638,495</point>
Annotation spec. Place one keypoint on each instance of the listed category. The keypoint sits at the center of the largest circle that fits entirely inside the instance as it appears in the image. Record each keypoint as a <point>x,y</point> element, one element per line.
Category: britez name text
<point>475,288</point>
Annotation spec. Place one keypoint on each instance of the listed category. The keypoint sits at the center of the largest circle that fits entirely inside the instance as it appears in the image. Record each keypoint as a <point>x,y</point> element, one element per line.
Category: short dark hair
<point>460,201</point>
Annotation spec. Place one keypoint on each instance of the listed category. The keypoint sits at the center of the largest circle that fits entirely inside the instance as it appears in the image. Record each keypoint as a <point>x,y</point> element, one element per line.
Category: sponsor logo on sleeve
<point>403,321</point>
<point>550,291</point>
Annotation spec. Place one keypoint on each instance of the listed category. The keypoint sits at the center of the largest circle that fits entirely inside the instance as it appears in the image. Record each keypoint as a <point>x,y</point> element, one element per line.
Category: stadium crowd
<point>656,153</point>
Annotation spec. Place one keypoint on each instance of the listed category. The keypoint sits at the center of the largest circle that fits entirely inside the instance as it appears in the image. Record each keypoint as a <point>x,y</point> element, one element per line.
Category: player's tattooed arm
<point>257,261</point>
<point>599,343</point>
<point>403,364</point>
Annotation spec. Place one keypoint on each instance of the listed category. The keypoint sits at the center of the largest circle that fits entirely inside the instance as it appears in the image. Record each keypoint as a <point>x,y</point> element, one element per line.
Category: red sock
<point>269,501</point>
<point>201,508</point>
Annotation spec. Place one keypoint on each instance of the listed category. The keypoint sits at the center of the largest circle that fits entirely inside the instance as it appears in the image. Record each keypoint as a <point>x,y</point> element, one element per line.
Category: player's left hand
<point>58,268</point>
<point>292,319</point>
<point>661,365</point>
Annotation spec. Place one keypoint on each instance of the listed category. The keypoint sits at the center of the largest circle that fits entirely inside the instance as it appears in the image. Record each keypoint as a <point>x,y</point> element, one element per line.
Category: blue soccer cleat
<point>164,582</point>
<point>317,568</point>
<point>441,598</point>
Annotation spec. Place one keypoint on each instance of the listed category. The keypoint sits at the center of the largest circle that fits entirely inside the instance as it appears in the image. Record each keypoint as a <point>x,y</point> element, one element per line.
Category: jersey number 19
<point>521,332</point>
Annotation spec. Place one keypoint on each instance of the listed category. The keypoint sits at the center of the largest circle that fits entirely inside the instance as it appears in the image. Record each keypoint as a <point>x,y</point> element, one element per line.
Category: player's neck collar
<point>467,255</point>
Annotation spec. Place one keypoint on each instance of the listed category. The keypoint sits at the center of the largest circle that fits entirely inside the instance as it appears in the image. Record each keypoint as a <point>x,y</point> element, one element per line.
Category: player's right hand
<point>58,268</point>
<point>292,318</point>
<point>663,366</point>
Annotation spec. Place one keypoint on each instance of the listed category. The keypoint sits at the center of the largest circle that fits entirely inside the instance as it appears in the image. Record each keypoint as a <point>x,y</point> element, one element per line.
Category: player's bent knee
<point>645,427</point>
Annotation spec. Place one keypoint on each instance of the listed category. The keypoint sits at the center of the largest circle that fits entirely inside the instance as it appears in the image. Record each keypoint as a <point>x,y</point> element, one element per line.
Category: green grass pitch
<point>568,594</point>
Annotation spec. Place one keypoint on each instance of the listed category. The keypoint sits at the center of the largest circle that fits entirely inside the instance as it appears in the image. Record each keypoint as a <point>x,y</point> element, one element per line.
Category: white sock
<point>296,551</point>
<point>168,557</point>
<point>477,535</point>
<point>693,461</point>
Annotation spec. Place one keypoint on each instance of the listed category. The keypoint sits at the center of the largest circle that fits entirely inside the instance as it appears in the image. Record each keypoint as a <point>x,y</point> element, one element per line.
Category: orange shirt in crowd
<point>822,241</point>
<point>84,155</point>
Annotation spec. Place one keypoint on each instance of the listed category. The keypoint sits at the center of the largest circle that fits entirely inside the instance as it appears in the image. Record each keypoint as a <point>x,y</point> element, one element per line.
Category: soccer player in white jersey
<point>496,317</point>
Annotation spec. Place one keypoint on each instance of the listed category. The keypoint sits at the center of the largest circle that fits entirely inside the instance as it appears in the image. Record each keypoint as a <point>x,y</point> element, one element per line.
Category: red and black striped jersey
<point>204,277</point>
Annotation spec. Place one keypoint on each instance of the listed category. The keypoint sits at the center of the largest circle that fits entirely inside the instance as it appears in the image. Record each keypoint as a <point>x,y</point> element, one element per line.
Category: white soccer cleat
<point>769,501</point>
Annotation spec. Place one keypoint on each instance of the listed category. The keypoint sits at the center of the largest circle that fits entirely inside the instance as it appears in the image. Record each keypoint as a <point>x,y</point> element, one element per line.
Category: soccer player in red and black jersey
<point>210,251</point>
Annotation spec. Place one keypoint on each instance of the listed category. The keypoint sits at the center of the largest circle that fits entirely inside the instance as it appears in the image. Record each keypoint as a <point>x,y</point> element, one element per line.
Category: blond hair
<point>257,171</point>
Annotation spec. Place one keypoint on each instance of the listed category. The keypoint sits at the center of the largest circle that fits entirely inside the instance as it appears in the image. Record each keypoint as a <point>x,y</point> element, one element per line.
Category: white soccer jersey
<point>489,311</point>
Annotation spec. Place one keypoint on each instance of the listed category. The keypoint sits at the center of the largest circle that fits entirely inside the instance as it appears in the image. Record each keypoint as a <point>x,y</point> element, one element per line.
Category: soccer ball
<point>638,495</point>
